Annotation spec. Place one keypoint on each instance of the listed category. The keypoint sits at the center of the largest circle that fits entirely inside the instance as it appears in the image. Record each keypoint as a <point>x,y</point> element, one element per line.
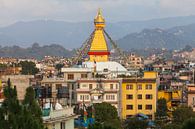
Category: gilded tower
<point>99,50</point>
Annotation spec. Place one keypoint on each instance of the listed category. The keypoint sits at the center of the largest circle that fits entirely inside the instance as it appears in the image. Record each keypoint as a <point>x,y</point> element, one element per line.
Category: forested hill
<point>35,51</point>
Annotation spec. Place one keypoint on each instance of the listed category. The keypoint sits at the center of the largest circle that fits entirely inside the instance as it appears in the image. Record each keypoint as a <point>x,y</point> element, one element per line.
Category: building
<point>136,61</point>
<point>139,95</point>
<point>98,90</point>
<point>21,82</point>
<point>58,89</point>
<point>61,118</point>
<point>99,50</point>
<point>173,98</point>
<point>109,68</point>
<point>191,96</point>
<point>1,92</point>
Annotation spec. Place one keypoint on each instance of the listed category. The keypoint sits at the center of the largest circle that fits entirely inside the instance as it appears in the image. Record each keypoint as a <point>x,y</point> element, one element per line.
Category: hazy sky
<point>84,10</point>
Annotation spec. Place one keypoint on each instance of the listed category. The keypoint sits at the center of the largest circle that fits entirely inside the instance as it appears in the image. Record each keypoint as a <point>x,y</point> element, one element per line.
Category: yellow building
<point>139,95</point>
<point>173,97</point>
<point>99,50</point>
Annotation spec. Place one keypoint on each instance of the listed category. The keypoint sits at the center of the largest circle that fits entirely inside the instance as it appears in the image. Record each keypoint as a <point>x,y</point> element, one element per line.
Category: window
<point>148,96</point>
<point>70,76</point>
<point>116,86</point>
<point>148,107</point>
<point>148,86</point>
<point>63,125</point>
<point>84,97</point>
<point>110,97</point>
<point>129,97</point>
<point>90,86</point>
<point>81,97</point>
<point>84,85</point>
<point>139,96</point>
<point>83,75</point>
<point>129,87</point>
<point>139,86</point>
<point>53,126</point>
<point>128,116</point>
<point>129,107</point>
<point>58,86</point>
<point>111,86</point>
<point>139,107</point>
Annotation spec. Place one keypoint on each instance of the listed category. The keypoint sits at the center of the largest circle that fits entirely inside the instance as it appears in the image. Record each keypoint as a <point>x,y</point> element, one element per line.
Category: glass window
<point>116,86</point>
<point>139,107</point>
<point>81,97</point>
<point>129,97</point>
<point>129,107</point>
<point>148,96</point>
<point>139,86</point>
<point>129,87</point>
<point>90,86</point>
<point>148,107</point>
<point>111,86</point>
<point>139,96</point>
<point>83,75</point>
<point>148,86</point>
<point>70,76</point>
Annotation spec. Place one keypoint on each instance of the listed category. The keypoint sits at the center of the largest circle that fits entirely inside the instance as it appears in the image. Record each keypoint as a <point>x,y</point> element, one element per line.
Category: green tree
<point>135,123</point>
<point>107,114</point>
<point>58,67</point>
<point>171,126</point>
<point>100,126</point>
<point>161,112</point>
<point>189,124</point>
<point>32,109</point>
<point>10,110</point>
<point>182,113</point>
<point>15,115</point>
<point>28,68</point>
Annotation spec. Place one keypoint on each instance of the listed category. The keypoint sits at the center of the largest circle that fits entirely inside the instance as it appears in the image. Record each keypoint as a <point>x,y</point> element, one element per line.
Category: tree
<point>10,110</point>
<point>182,113</point>
<point>100,126</point>
<point>28,68</point>
<point>161,108</point>
<point>161,112</point>
<point>107,115</point>
<point>15,115</point>
<point>171,126</point>
<point>189,124</point>
<point>188,48</point>
<point>32,109</point>
<point>58,67</point>
<point>135,123</point>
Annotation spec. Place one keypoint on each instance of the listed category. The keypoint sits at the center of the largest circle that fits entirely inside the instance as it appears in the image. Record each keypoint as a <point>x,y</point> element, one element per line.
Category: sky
<point>12,11</point>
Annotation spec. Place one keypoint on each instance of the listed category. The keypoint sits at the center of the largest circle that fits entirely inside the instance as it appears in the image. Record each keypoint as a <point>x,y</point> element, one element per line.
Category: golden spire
<point>99,50</point>
<point>99,20</point>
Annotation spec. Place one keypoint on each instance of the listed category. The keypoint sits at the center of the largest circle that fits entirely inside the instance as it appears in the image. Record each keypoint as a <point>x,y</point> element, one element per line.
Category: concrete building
<point>136,61</point>
<point>59,119</point>
<point>191,96</point>
<point>59,90</point>
<point>71,75</point>
<point>139,95</point>
<point>98,90</point>
<point>21,82</point>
